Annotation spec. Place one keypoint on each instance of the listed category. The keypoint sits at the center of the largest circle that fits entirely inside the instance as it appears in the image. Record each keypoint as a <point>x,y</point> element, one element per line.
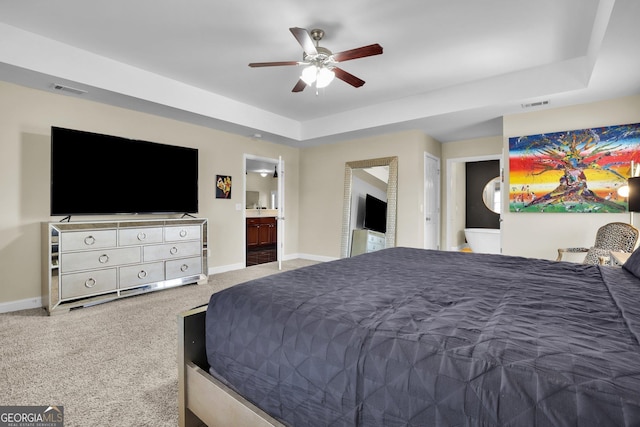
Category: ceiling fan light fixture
<point>309,74</point>
<point>320,63</point>
<point>325,76</point>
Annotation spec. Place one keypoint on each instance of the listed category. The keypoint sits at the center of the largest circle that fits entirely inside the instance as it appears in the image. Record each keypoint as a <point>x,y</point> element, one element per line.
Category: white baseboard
<point>289,257</point>
<point>23,304</point>
<point>225,268</point>
<point>319,258</point>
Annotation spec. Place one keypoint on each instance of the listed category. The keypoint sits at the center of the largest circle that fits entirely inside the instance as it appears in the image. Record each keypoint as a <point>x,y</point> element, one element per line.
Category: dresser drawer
<point>139,236</point>
<point>375,240</point>
<point>171,250</point>
<point>185,232</point>
<point>183,267</point>
<point>372,247</point>
<point>141,274</point>
<point>99,259</point>
<point>87,283</point>
<point>90,239</point>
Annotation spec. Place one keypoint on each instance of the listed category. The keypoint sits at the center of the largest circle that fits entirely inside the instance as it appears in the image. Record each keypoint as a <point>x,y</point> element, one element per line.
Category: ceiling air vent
<point>69,89</point>
<point>535,104</point>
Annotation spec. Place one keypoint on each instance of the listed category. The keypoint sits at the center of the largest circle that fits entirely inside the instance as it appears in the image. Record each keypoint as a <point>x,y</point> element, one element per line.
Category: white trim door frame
<point>431,207</point>
<point>280,221</point>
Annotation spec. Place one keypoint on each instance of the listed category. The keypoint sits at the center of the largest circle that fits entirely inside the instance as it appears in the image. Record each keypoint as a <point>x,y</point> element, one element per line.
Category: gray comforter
<point>409,337</point>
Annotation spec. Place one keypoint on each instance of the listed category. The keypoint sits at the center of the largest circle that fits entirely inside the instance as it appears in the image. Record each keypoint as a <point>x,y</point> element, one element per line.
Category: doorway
<point>456,198</point>
<point>482,188</point>
<point>263,207</point>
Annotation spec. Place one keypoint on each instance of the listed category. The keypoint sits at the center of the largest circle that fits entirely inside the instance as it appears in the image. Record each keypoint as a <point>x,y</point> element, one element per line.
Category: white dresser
<point>364,241</point>
<point>85,263</point>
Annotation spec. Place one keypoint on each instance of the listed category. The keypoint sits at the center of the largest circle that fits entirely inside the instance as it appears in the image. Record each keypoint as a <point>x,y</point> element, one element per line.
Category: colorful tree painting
<point>572,171</point>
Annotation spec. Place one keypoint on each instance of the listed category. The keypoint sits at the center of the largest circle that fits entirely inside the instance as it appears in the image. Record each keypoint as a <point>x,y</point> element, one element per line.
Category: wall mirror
<point>392,191</point>
<point>491,195</point>
<point>261,185</point>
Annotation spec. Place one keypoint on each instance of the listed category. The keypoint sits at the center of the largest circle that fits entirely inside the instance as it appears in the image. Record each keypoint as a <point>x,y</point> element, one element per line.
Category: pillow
<point>632,265</point>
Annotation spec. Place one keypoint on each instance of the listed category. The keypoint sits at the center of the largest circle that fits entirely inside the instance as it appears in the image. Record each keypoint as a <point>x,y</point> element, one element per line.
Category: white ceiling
<point>451,68</point>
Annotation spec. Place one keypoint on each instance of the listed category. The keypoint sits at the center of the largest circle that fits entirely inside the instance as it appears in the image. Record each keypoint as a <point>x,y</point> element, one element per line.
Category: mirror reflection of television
<point>94,174</point>
<point>375,214</point>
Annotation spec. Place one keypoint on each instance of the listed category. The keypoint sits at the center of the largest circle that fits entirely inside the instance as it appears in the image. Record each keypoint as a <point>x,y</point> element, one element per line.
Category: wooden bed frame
<point>202,399</point>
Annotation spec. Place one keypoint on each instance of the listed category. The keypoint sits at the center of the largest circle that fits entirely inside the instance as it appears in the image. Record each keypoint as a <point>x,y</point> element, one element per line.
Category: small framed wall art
<point>223,187</point>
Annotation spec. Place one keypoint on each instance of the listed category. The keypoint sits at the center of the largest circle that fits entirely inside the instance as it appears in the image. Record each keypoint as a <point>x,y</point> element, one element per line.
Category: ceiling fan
<point>320,63</point>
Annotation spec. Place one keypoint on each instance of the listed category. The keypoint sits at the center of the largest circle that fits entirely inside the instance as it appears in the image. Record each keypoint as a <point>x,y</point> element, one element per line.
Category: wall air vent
<point>535,104</point>
<point>69,89</point>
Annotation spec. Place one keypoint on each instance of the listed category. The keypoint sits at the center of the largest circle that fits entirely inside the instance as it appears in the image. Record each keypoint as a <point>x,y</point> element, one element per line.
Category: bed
<point>412,337</point>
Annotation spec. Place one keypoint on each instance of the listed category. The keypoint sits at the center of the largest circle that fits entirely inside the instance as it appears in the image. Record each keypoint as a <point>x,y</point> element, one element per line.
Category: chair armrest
<point>562,251</point>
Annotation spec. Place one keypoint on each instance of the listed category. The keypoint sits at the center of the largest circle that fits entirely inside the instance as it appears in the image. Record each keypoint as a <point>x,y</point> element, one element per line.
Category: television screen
<point>94,174</point>
<point>375,214</point>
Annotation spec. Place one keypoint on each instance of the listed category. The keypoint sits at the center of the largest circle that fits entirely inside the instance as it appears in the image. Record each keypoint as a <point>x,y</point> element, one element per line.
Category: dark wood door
<point>253,234</point>
<point>273,232</point>
<point>261,231</point>
<point>264,234</point>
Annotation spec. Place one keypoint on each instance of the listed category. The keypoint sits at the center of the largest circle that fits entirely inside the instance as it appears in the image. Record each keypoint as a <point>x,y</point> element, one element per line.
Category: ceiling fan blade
<point>360,52</point>
<point>304,39</point>
<point>348,77</point>
<point>272,64</point>
<point>299,87</point>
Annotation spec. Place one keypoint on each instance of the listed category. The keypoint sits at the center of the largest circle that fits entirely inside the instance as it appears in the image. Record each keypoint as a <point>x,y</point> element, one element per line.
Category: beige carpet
<point>113,364</point>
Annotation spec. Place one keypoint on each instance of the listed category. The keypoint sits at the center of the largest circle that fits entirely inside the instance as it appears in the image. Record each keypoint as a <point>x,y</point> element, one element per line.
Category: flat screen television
<point>375,214</point>
<point>94,174</point>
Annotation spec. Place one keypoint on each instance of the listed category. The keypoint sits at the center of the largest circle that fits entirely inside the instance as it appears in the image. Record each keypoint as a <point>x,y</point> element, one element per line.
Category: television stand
<point>86,263</point>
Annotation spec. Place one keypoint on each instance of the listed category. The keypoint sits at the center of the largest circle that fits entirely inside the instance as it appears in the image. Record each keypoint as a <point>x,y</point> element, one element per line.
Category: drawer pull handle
<point>184,267</point>
<point>103,259</point>
<point>142,236</point>
<point>89,240</point>
<point>142,274</point>
<point>183,233</point>
<point>173,250</point>
<point>90,283</point>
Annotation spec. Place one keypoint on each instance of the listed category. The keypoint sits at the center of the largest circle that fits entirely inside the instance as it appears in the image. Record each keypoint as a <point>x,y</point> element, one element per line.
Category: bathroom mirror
<point>392,190</point>
<point>260,184</point>
<point>491,195</point>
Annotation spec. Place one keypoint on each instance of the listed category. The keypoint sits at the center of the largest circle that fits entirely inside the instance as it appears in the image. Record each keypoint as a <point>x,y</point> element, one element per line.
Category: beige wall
<point>26,117</point>
<point>322,182</point>
<point>540,234</point>
<point>314,180</point>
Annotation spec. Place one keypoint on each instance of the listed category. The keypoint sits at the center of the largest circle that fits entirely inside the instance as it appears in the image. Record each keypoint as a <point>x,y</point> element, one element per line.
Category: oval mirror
<point>491,195</point>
